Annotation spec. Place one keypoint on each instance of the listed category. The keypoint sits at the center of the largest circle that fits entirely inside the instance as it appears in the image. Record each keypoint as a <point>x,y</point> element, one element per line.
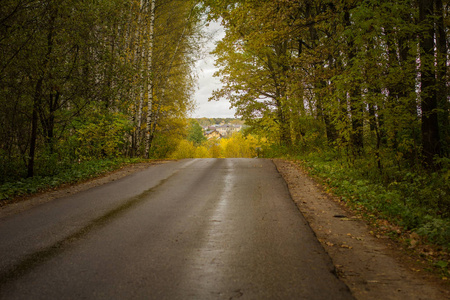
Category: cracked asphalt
<point>191,229</point>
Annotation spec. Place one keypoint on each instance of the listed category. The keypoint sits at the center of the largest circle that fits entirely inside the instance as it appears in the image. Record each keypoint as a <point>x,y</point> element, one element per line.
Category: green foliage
<point>196,133</point>
<point>163,146</point>
<point>417,202</point>
<point>342,75</point>
<point>102,135</point>
<point>75,76</point>
<point>11,167</point>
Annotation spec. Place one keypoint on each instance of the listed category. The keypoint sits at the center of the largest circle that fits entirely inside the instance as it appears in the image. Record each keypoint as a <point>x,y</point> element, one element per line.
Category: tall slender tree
<point>431,145</point>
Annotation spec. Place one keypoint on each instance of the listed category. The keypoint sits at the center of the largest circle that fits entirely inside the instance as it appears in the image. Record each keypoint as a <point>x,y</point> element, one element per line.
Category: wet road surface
<point>192,229</point>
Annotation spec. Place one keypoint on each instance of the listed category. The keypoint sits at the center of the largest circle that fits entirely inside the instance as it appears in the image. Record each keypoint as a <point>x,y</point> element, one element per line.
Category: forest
<point>85,80</point>
<point>356,91</point>
<point>368,76</point>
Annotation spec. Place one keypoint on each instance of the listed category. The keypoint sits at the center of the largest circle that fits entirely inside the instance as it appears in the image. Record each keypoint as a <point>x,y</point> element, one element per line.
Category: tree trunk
<point>356,110</point>
<point>140,58</point>
<point>430,128</point>
<point>38,94</point>
<point>442,91</point>
<point>34,125</point>
<point>151,35</point>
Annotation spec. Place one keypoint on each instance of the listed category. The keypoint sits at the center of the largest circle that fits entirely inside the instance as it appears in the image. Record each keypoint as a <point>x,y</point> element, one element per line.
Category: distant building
<point>220,131</point>
<point>212,134</point>
<point>228,129</point>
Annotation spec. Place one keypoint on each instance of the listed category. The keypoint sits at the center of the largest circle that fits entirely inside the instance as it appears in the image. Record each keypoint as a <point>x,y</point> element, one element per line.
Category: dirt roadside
<point>372,267</point>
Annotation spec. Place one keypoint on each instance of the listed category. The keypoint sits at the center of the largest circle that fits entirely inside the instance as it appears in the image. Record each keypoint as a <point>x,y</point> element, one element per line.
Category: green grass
<point>417,201</point>
<point>65,174</point>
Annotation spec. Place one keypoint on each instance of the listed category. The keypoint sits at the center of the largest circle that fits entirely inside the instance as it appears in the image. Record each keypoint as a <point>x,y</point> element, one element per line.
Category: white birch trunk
<point>150,76</point>
<point>140,57</point>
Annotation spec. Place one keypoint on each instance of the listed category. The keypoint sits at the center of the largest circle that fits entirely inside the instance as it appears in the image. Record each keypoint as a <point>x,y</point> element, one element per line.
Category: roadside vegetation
<point>411,207</point>
<point>93,81</point>
<point>87,86</point>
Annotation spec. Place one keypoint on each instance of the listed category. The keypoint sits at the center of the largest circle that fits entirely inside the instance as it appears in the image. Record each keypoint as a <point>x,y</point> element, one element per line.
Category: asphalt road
<point>192,229</point>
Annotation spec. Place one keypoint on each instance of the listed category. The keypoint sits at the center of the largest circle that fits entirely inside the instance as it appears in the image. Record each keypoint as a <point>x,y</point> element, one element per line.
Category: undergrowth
<point>414,203</point>
<point>417,201</point>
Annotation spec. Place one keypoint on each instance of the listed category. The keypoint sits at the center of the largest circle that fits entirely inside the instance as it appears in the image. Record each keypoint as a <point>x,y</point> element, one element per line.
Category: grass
<point>67,174</point>
<point>416,202</point>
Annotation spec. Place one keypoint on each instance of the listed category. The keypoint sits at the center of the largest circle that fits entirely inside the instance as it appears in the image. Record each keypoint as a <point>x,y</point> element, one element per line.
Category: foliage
<point>237,146</point>
<point>343,74</point>
<point>185,149</point>
<point>196,133</point>
<point>101,136</point>
<point>74,76</point>
<point>416,202</point>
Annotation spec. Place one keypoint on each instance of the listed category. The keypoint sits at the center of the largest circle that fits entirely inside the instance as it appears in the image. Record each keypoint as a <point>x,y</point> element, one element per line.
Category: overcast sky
<point>207,83</point>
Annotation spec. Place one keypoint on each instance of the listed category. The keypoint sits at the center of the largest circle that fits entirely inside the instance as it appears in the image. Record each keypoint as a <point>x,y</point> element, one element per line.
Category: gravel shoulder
<point>372,267</point>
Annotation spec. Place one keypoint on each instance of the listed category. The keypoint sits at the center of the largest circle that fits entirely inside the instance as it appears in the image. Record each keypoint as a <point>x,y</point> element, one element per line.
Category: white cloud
<point>207,83</point>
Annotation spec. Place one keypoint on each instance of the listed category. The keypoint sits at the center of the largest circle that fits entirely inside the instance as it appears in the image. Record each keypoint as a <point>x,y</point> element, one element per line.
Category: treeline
<point>213,121</point>
<point>83,80</point>
<point>239,145</point>
<point>369,78</point>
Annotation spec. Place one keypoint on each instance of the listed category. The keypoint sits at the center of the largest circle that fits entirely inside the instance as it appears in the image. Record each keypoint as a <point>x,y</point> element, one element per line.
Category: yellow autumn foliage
<point>237,146</point>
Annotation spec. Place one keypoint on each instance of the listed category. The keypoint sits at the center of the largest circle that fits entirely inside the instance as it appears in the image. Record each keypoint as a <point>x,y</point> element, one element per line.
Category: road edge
<point>367,264</point>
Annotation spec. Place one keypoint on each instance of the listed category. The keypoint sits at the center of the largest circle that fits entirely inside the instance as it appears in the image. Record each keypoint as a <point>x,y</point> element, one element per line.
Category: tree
<point>172,63</point>
<point>254,58</point>
<point>150,76</point>
<point>196,133</point>
<point>64,64</point>
<point>442,76</point>
<point>346,70</point>
<point>431,145</point>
